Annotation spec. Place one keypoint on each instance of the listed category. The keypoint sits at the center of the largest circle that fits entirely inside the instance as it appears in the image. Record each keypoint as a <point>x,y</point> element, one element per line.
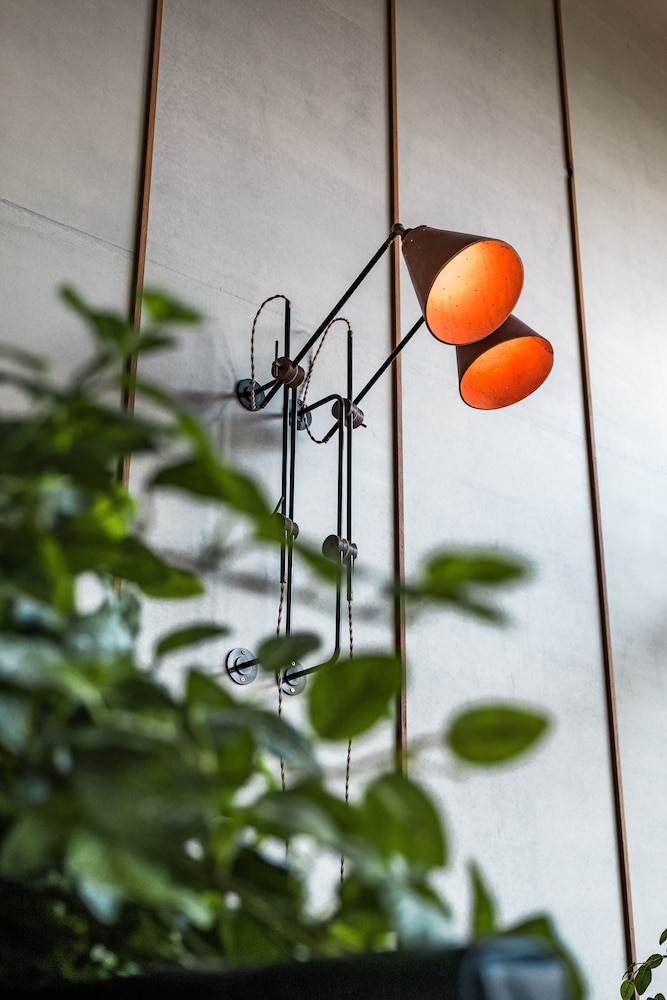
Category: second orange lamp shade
<point>467,301</point>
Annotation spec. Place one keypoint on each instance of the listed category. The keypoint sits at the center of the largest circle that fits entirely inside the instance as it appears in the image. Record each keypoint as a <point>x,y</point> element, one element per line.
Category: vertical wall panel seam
<point>143,204</point>
<point>612,718</point>
<point>398,507</point>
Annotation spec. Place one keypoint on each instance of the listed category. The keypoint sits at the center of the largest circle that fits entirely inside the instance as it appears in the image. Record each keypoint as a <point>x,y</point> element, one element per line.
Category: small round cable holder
<point>290,684</point>
<point>242,665</point>
<point>303,419</point>
<point>349,408</point>
<point>290,527</point>
<point>248,390</point>
<point>334,547</point>
<point>287,373</point>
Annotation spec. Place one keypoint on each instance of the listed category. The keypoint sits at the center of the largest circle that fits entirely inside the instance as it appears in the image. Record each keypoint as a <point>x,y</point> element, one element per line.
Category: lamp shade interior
<point>474,292</point>
<point>505,368</point>
<point>466,285</point>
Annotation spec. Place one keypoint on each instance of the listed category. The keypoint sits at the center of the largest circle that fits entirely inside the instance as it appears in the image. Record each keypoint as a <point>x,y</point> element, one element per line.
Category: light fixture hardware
<point>466,287</point>
<point>293,680</point>
<point>242,665</point>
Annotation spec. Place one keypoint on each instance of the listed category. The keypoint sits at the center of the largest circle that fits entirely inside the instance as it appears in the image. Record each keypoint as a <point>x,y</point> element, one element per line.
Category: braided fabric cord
<point>252,344</point>
<point>309,373</point>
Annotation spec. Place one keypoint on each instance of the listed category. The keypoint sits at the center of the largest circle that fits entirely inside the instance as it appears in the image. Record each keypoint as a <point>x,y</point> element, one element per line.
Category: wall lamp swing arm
<point>467,287</point>
<point>381,370</point>
<point>274,385</point>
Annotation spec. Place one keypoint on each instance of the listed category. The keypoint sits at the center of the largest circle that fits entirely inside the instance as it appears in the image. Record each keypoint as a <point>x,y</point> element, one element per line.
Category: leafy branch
<point>638,977</point>
<point>142,826</point>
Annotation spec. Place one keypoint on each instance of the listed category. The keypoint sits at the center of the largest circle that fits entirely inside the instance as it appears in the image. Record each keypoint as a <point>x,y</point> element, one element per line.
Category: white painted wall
<point>481,146</point>
<point>72,78</point>
<point>619,120</point>
<point>270,175</point>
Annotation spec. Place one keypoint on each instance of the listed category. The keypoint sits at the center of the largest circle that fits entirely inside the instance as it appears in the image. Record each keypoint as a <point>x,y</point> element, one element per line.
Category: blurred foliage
<point>141,828</point>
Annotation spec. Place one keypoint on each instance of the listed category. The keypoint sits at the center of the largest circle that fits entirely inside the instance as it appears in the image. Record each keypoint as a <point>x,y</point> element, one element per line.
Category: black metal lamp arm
<point>397,230</point>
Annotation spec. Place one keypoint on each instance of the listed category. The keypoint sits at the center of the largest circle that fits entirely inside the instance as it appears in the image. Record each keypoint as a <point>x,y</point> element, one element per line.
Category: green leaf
<point>23,358</point>
<point>349,697</point>
<point>106,869</point>
<point>400,819</point>
<point>290,813</point>
<point>447,571</point>
<point>643,978</point>
<point>281,651</point>
<point>189,636</point>
<point>493,734</point>
<point>361,923</point>
<point>111,329</point>
<point>205,690</point>
<point>483,921</point>
<point>204,477</point>
<point>106,634</point>
<point>164,308</point>
<point>32,387</point>
<point>54,564</point>
<point>459,578</point>
<point>663,936</point>
<point>248,940</point>
<point>653,961</point>
<point>33,843</point>
<point>37,664</point>
<point>627,989</point>
<point>258,872</point>
<point>130,559</point>
<point>15,722</point>
<point>269,731</point>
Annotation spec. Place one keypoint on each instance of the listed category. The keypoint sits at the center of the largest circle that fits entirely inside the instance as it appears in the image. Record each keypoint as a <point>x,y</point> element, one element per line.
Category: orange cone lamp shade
<point>466,285</point>
<point>505,367</point>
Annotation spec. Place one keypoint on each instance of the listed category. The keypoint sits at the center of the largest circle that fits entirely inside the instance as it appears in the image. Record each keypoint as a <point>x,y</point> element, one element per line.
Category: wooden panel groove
<point>605,629</point>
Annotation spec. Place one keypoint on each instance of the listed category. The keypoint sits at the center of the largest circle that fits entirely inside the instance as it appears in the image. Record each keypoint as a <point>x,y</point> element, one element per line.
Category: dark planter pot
<point>498,969</point>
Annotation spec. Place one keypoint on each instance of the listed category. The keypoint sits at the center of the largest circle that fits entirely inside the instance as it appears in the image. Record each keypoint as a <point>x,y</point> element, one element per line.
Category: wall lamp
<point>466,287</point>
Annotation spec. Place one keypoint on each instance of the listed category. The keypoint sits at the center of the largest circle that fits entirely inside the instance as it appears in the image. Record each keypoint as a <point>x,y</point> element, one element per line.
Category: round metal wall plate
<point>303,420</point>
<point>240,665</point>
<point>293,686</point>
<point>244,394</point>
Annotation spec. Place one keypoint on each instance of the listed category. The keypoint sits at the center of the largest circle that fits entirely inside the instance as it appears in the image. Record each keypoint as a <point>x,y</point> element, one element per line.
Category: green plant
<point>639,975</point>
<point>140,827</point>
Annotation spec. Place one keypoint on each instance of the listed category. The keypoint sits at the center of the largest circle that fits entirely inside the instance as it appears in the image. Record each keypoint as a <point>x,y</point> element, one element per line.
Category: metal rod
<point>339,526</point>
<point>350,561</point>
<point>348,477</point>
<point>305,671</point>
<point>392,357</point>
<point>336,397</point>
<point>290,514</point>
<point>603,604</point>
<point>341,302</point>
<point>400,644</point>
<point>285,445</point>
<point>382,369</point>
<point>141,233</point>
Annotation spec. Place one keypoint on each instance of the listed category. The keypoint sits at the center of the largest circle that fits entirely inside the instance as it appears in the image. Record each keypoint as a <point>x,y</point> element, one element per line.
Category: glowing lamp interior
<point>474,292</point>
<point>506,372</point>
